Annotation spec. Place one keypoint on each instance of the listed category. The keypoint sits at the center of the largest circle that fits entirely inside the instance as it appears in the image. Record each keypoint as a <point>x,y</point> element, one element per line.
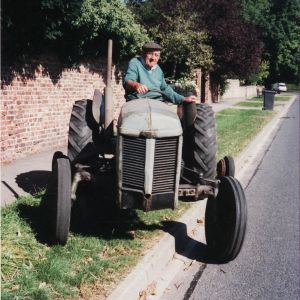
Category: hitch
<point>199,191</point>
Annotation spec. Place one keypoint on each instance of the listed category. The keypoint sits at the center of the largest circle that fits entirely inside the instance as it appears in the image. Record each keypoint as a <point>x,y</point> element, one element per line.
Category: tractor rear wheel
<point>199,145</point>
<point>83,129</point>
<point>225,220</point>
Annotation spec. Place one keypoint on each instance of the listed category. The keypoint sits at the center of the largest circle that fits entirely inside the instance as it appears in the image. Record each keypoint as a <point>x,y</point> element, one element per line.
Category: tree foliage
<point>235,42</point>
<point>171,23</point>
<point>72,29</point>
<point>230,38</point>
<point>279,24</point>
<point>210,34</point>
<point>185,48</point>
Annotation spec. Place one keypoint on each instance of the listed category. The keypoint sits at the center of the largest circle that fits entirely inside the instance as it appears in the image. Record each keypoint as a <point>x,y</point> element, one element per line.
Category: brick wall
<point>37,102</point>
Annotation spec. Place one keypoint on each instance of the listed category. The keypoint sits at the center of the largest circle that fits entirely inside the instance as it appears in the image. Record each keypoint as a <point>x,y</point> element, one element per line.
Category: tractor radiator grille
<point>165,164</point>
<point>134,151</point>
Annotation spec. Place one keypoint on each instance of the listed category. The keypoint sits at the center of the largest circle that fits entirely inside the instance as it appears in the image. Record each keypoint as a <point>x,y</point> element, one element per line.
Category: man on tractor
<point>145,77</point>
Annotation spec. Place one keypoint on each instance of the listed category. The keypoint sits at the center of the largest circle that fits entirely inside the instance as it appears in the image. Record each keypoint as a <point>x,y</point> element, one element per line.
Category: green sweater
<point>154,79</point>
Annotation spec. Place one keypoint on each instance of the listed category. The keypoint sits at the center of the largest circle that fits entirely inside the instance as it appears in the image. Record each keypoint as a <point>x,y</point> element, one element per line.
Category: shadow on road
<point>185,245</point>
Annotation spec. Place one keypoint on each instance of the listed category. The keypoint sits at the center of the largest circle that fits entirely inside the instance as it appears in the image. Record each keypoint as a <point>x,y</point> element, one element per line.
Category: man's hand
<point>142,89</point>
<point>138,87</point>
<point>190,99</point>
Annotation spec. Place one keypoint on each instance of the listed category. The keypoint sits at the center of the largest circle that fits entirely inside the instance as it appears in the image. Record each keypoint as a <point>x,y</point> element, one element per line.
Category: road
<point>268,265</point>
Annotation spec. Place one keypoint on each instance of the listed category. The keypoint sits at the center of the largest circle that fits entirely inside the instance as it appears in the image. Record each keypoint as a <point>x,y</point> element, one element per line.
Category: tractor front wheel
<point>225,220</point>
<point>61,199</point>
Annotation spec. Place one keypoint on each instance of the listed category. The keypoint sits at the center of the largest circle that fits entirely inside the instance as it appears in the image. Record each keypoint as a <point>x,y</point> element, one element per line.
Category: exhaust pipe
<point>108,94</point>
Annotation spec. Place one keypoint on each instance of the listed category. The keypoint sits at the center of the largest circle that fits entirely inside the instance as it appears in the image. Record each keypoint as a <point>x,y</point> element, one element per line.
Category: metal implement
<point>108,95</point>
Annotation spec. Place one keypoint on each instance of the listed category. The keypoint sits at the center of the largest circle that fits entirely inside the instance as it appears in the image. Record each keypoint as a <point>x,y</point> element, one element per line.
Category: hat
<point>152,46</point>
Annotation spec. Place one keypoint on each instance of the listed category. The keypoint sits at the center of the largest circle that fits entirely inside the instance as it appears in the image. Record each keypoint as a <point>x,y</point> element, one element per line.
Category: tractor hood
<point>149,118</point>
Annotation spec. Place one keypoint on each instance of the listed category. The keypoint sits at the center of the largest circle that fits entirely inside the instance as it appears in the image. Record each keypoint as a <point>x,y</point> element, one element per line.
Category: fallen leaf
<point>151,289</point>
<point>15,287</point>
<point>42,285</point>
<point>189,265</point>
<point>132,233</point>
<point>143,295</point>
<point>178,285</point>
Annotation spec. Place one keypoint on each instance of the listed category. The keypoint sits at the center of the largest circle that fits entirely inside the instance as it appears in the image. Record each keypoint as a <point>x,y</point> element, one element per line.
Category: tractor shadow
<point>187,246</point>
<point>33,182</point>
<point>94,214</point>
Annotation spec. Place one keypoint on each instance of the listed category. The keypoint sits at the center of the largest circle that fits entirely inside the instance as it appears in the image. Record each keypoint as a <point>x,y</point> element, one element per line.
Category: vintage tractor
<point>156,158</point>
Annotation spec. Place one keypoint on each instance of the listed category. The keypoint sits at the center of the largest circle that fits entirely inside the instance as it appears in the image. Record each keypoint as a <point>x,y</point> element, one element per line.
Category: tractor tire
<point>225,167</point>
<point>61,200</point>
<point>230,166</point>
<point>83,131</point>
<point>226,221</point>
<point>56,156</point>
<point>199,143</point>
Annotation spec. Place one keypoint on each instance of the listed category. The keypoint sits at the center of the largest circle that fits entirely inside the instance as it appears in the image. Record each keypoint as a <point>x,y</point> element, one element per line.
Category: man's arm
<point>175,97</point>
<point>131,79</point>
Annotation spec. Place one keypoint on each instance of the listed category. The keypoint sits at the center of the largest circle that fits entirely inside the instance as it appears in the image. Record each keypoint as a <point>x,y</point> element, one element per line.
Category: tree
<point>172,24</point>
<point>279,24</point>
<point>235,42</point>
<point>185,48</point>
<point>71,29</point>
<point>210,34</point>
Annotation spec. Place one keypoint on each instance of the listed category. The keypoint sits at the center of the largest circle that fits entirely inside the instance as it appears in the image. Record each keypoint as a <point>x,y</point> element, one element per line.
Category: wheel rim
<point>225,220</point>
<point>221,168</point>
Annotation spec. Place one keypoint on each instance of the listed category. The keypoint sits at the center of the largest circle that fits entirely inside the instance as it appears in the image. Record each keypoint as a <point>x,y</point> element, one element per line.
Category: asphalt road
<point>268,265</point>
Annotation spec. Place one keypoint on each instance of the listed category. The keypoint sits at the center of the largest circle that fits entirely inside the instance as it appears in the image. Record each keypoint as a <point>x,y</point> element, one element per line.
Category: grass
<point>249,104</point>
<point>92,261</point>
<point>104,249</point>
<point>293,87</point>
<point>258,101</point>
<point>282,97</point>
<point>278,97</point>
<point>237,127</point>
<point>261,99</point>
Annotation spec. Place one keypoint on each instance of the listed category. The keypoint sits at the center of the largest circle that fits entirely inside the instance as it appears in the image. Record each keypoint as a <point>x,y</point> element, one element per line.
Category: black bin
<point>269,99</point>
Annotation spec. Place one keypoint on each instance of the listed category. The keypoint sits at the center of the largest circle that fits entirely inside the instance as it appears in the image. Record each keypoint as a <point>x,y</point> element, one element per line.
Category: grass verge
<point>91,262</point>
<point>282,97</point>
<point>249,104</point>
<point>237,127</point>
<point>101,252</point>
<point>293,87</point>
<point>278,97</point>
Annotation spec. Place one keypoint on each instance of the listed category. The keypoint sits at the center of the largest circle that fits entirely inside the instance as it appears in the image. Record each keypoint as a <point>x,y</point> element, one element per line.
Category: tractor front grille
<point>165,165</point>
<point>134,155</point>
<point>164,168</point>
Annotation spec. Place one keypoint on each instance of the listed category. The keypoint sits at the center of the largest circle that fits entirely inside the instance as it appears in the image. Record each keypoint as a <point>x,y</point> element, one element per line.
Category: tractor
<point>155,157</point>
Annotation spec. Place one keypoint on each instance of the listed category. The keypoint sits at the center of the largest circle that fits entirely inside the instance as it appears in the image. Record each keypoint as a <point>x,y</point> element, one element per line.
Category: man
<point>144,75</point>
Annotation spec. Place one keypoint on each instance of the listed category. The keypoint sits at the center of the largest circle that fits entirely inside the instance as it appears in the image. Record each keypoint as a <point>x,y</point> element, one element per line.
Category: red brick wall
<point>36,107</point>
